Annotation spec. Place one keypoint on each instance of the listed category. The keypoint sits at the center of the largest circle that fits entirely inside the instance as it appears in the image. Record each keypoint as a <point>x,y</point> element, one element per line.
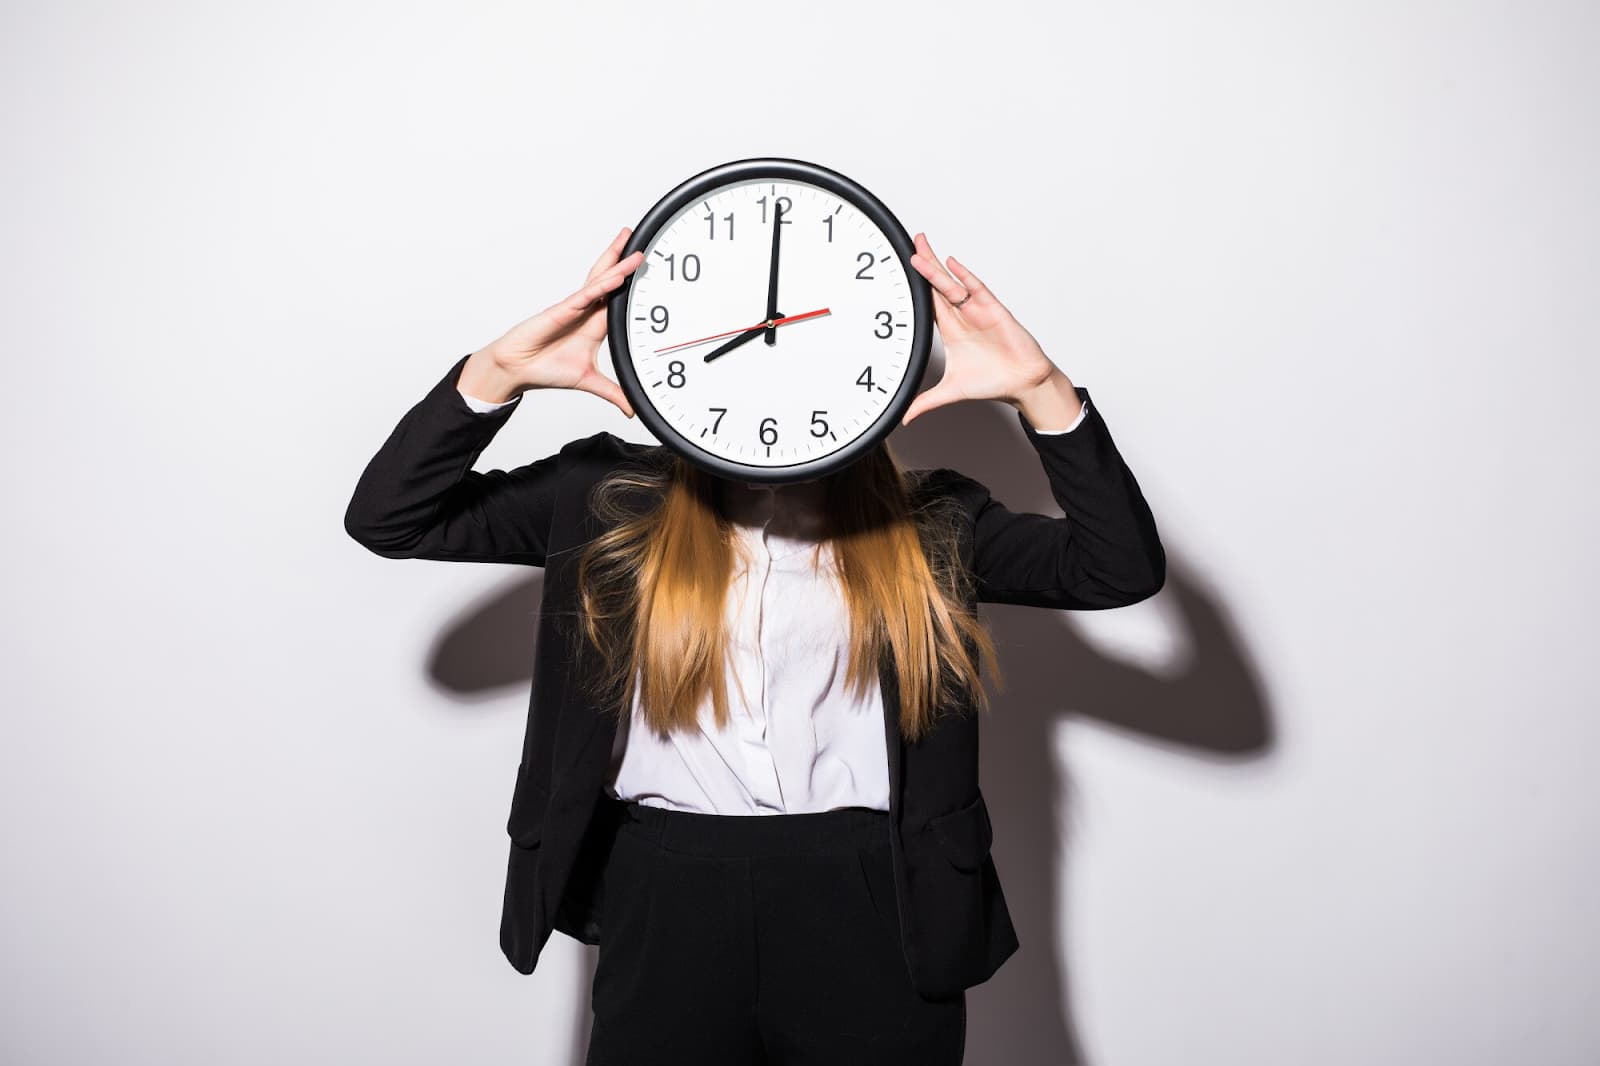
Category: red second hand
<point>746,329</point>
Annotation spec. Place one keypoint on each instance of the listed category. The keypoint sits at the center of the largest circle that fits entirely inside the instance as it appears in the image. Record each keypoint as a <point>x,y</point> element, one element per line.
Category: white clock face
<point>831,368</point>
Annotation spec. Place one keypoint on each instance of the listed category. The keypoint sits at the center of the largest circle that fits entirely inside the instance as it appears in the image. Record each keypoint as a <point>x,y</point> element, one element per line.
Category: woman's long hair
<point>652,589</point>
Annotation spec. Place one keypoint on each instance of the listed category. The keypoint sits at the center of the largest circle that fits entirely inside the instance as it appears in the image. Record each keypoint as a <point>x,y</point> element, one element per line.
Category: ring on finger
<point>963,300</point>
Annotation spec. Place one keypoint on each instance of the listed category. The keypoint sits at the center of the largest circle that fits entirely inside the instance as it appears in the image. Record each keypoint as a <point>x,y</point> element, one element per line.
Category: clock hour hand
<point>747,335</point>
<point>772,274</point>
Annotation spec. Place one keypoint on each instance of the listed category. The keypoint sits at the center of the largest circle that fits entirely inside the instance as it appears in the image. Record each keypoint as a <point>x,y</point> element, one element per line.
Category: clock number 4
<point>866,382</point>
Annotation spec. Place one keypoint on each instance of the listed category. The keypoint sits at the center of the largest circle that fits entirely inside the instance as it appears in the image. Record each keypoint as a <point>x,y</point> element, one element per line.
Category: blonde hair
<point>652,589</point>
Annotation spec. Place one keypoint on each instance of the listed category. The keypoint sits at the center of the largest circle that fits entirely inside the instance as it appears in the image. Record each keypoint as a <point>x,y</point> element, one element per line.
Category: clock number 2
<point>862,275</point>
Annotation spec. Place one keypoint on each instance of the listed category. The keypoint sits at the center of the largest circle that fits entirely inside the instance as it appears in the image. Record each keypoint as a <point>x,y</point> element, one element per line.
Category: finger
<point>927,265</point>
<point>566,311</point>
<point>603,387</point>
<point>980,292</point>
<point>609,256</point>
<point>926,401</point>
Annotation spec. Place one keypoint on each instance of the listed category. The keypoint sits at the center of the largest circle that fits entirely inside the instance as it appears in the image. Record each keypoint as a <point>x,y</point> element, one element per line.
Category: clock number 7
<point>718,420</point>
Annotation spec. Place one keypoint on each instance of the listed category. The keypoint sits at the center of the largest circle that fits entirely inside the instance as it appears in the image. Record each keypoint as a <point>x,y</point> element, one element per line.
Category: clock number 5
<point>816,422</point>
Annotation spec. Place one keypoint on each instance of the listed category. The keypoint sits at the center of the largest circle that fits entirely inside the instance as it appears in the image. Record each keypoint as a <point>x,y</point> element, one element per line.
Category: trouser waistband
<point>697,833</point>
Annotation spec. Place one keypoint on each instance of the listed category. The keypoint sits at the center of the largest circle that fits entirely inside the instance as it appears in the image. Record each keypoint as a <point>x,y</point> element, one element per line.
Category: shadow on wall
<point>1214,707</point>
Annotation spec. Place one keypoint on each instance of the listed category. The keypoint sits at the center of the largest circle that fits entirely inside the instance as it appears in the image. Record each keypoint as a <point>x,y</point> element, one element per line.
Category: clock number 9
<point>658,319</point>
<point>690,262</point>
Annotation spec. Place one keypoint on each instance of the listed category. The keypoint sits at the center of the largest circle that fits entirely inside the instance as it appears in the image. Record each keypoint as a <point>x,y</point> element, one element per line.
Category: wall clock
<point>776,330</point>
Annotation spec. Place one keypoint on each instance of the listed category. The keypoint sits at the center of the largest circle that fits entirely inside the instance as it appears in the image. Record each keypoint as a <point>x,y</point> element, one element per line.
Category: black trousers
<point>759,940</point>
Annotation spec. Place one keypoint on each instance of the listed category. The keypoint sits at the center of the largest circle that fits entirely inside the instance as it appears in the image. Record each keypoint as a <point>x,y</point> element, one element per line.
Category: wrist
<point>484,377</point>
<point>1052,403</point>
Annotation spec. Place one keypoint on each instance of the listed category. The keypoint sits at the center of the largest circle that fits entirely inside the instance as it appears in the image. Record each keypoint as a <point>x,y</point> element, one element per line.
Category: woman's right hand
<point>555,349</point>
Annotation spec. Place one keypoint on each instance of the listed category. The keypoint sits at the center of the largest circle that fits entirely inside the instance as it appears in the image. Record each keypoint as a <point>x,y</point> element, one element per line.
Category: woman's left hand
<point>988,355</point>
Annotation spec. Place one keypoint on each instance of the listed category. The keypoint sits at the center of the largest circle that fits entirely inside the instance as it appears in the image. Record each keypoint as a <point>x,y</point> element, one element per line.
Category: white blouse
<point>796,740</point>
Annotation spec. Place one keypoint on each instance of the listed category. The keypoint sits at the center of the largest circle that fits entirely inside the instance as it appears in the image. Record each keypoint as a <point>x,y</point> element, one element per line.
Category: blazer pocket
<point>529,799</point>
<point>965,834</point>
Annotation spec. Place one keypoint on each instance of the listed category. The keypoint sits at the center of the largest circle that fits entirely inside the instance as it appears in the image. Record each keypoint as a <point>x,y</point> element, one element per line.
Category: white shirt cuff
<point>483,407</point>
<point>1075,423</point>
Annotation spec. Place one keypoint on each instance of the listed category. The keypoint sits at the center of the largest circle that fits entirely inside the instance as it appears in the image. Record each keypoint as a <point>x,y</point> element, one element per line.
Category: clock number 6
<point>766,429</point>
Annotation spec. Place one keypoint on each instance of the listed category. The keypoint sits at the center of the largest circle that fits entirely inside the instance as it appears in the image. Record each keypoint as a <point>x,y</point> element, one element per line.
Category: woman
<point>781,848</point>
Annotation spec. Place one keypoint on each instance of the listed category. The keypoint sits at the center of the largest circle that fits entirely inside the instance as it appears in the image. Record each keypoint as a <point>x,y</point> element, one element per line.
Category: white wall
<point>1329,269</point>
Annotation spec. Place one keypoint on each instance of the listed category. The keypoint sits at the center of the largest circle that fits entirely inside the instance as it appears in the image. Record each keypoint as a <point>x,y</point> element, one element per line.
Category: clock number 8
<point>675,370</point>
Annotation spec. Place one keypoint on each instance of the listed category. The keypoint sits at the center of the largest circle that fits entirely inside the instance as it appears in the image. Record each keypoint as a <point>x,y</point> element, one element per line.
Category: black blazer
<point>419,498</point>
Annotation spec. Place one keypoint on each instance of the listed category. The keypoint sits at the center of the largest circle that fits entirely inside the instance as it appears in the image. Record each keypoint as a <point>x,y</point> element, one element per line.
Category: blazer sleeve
<point>419,497</point>
<point>1105,552</point>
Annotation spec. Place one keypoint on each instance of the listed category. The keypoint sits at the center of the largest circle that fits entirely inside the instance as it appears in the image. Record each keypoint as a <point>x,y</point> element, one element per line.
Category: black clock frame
<point>780,169</point>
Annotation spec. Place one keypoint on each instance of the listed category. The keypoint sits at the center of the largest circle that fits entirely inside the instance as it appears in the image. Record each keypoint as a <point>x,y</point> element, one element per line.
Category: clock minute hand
<point>769,324</point>
<point>772,274</point>
<point>757,327</point>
